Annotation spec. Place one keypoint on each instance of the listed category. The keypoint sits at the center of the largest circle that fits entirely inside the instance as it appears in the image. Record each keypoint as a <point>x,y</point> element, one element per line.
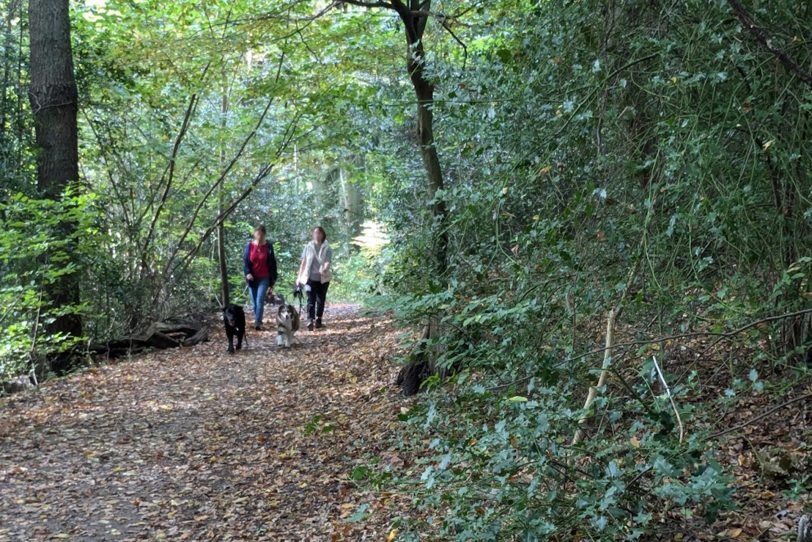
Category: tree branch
<point>761,416</point>
<point>720,335</point>
<point>447,27</point>
<point>361,3</point>
<point>220,178</point>
<point>103,151</point>
<point>170,174</point>
<point>764,39</point>
<point>262,174</point>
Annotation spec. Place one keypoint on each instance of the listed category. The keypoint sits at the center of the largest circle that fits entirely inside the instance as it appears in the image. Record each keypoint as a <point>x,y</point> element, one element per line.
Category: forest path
<point>196,444</point>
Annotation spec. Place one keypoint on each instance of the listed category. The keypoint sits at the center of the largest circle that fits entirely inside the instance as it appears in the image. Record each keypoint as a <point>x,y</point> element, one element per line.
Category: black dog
<point>234,320</point>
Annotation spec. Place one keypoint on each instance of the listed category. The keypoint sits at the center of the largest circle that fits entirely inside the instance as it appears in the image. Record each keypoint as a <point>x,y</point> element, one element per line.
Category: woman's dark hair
<point>261,228</point>
<point>323,233</point>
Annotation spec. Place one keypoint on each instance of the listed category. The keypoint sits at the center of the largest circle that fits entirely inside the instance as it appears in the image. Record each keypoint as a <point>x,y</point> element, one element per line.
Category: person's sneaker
<point>319,325</point>
<point>310,325</point>
<point>258,328</point>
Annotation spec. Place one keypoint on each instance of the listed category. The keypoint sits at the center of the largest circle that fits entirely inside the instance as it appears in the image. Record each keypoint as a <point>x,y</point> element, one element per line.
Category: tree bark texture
<point>415,17</point>
<point>54,103</point>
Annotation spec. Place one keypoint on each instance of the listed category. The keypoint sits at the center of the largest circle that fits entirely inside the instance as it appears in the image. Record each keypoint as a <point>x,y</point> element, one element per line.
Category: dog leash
<point>298,293</point>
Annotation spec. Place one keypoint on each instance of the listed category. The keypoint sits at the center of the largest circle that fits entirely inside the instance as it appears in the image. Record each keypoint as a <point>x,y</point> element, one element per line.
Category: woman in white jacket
<point>315,273</point>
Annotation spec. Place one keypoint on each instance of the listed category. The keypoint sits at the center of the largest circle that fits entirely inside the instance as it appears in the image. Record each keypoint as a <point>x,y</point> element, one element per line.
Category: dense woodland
<point>590,219</point>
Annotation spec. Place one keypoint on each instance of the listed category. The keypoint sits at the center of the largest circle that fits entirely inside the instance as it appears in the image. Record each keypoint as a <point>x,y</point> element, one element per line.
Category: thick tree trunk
<point>54,103</point>
<point>424,362</point>
<point>424,91</point>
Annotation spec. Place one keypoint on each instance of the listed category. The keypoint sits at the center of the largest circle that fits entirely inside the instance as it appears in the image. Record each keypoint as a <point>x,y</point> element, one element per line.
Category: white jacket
<point>322,257</point>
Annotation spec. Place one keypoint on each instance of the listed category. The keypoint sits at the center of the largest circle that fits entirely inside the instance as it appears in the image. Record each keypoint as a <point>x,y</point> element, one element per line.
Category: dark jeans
<point>316,298</point>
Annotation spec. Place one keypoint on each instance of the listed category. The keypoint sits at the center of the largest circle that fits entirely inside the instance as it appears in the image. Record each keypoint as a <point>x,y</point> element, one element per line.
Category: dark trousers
<point>316,298</point>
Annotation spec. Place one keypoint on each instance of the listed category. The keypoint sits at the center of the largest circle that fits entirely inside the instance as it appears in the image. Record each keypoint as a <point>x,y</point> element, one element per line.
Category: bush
<point>34,252</point>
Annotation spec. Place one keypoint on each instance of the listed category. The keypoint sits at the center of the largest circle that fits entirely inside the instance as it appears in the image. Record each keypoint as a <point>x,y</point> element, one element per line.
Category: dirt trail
<point>195,444</point>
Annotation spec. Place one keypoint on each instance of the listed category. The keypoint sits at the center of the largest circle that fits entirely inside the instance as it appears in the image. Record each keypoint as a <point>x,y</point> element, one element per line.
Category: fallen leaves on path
<point>196,444</point>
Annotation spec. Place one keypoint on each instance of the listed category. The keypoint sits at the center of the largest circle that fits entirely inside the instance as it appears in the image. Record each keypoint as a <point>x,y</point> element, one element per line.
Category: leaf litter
<point>196,444</point>
<point>272,444</point>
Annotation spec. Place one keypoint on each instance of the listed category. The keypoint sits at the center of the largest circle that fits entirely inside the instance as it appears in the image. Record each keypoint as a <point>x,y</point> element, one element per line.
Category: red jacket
<point>260,261</point>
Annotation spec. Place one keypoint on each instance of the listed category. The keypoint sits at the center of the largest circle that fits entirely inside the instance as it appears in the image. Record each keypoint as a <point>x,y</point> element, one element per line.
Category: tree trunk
<point>54,103</point>
<point>221,255</point>
<point>424,91</point>
<point>414,14</point>
<point>352,200</point>
<point>324,190</point>
<point>434,174</point>
<point>414,17</point>
<point>7,58</point>
<point>10,90</point>
<point>423,363</point>
<point>221,229</point>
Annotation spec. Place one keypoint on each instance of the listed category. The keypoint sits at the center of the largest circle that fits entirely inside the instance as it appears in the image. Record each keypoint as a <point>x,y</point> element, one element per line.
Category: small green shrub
<point>34,252</point>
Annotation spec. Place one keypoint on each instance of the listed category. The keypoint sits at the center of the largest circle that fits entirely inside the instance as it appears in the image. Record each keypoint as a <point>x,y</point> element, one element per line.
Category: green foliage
<point>34,253</point>
<point>503,469</point>
<point>594,153</point>
<point>355,278</point>
<point>599,152</point>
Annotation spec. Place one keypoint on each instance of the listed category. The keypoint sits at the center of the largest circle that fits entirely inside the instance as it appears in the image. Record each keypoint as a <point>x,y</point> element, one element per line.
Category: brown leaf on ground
<point>196,444</point>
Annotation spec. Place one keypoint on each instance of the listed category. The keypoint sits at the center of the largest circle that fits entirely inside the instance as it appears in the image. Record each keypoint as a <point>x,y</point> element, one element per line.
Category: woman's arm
<point>302,264</point>
<point>246,261</point>
<point>328,259</point>
<point>301,268</point>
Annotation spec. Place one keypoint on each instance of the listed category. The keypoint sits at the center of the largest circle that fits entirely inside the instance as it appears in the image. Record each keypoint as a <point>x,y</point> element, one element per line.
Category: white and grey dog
<point>287,324</point>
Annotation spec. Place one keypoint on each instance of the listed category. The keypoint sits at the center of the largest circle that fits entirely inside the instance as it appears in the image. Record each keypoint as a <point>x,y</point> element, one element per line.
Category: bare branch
<point>103,151</point>
<point>170,262</point>
<point>761,416</point>
<point>375,4</point>
<point>764,39</point>
<point>720,335</point>
<point>260,176</point>
<point>170,172</point>
<point>447,27</point>
<point>221,178</point>
<point>670,398</point>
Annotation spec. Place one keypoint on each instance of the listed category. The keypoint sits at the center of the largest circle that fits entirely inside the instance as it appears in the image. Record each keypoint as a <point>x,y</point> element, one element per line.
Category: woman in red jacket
<point>259,265</point>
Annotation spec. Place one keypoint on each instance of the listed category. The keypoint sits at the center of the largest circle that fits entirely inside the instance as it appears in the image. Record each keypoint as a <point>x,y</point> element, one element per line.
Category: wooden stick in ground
<point>670,398</point>
<point>593,390</point>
